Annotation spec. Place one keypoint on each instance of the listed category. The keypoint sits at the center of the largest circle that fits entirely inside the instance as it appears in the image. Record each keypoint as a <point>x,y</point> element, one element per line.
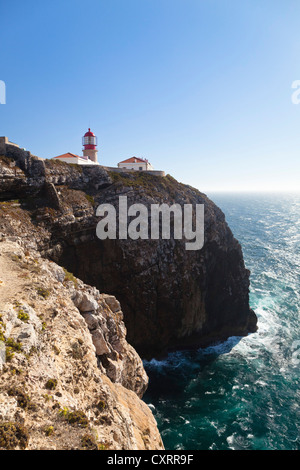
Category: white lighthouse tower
<point>89,142</point>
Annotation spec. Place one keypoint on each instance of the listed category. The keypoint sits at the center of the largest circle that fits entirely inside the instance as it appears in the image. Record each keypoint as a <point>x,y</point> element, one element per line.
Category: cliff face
<point>171,297</point>
<point>69,379</point>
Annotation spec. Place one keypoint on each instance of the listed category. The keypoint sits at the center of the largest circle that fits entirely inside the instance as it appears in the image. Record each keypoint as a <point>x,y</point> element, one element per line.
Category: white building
<point>135,163</point>
<point>72,158</point>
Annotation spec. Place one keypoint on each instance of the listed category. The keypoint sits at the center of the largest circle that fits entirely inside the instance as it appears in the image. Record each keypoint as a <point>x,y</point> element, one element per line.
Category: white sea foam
<point>151,406</point>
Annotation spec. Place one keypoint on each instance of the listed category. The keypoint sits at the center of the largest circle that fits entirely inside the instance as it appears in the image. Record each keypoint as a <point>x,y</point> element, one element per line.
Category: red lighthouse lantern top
<point>89,140</point>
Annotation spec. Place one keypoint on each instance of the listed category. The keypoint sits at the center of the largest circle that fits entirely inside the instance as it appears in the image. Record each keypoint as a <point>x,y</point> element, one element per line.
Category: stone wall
<point>126,170</point>
<point>23,158</point>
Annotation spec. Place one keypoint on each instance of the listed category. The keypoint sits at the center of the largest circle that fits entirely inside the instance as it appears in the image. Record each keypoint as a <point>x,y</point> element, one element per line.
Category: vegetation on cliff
<point>69,379</point>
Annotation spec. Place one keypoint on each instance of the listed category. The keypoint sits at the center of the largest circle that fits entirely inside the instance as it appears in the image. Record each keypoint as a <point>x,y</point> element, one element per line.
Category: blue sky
<point>202,88</point>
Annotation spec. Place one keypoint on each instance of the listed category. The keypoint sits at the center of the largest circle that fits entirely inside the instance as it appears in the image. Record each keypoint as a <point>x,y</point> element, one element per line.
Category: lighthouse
<point>89,142</point>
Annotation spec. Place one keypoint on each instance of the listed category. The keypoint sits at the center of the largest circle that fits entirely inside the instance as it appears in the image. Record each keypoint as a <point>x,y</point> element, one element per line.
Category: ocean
<point>244,393</point>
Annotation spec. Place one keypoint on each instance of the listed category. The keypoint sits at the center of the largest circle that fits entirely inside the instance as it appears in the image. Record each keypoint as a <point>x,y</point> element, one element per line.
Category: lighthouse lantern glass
<point>89,140</point>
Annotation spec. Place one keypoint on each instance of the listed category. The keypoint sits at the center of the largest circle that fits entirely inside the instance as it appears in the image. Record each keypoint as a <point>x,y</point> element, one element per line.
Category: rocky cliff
<point>74,309</point>
<point>171,297</point>
<point>69,379</point>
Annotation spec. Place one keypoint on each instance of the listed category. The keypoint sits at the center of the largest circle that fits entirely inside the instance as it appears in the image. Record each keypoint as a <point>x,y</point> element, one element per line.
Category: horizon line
<point>253,191</point>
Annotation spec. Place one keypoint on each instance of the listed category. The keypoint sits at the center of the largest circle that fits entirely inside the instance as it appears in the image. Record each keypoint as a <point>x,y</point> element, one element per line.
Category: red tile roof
<point>134,160</point>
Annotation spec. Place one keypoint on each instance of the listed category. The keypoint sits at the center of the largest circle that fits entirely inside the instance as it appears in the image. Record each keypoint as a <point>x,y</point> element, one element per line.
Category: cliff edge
<point>69,379</point>
<point>171,298</point>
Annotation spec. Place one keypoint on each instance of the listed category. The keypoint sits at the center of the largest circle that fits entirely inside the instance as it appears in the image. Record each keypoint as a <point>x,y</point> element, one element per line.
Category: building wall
<point>3,142</point>
<point>77,161</point>
<point>136,166</point>
<point>9,148</point>
<point>68,160</point>
<point>25,159</point>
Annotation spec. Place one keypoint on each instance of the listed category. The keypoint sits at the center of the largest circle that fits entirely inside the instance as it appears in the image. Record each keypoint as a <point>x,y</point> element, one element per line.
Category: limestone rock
<point>91,319</point>
<point>100,343</point>
<point>54,382</point>
<point>112,302</point>
<point>85,302</point>
<point>21,324</point>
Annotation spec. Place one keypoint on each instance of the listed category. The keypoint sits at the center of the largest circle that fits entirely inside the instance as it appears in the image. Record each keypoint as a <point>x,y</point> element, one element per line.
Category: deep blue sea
<point>244,393</point>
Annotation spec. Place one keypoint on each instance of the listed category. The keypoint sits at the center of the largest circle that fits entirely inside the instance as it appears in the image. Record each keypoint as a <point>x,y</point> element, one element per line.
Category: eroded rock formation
<point>69,379</point>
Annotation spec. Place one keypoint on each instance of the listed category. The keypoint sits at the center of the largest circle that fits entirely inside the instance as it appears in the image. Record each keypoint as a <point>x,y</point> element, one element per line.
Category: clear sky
<point>202,88</point>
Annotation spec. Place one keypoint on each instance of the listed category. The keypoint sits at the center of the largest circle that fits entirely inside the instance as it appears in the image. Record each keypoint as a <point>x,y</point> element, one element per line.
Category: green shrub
<point>70,277</point>
<point>78,417</point>
<point>51,384</point>
<point>23,399</point>
<point>23,316</point>
<point>13,435</point>
<point>43,292</point>
<point>74,417</point>
<point>49,430</point>
<point>12,346</point>
<point>103,446</point>
<point>101,405</point>
<point>90,199</point>
<point>89,442</point>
